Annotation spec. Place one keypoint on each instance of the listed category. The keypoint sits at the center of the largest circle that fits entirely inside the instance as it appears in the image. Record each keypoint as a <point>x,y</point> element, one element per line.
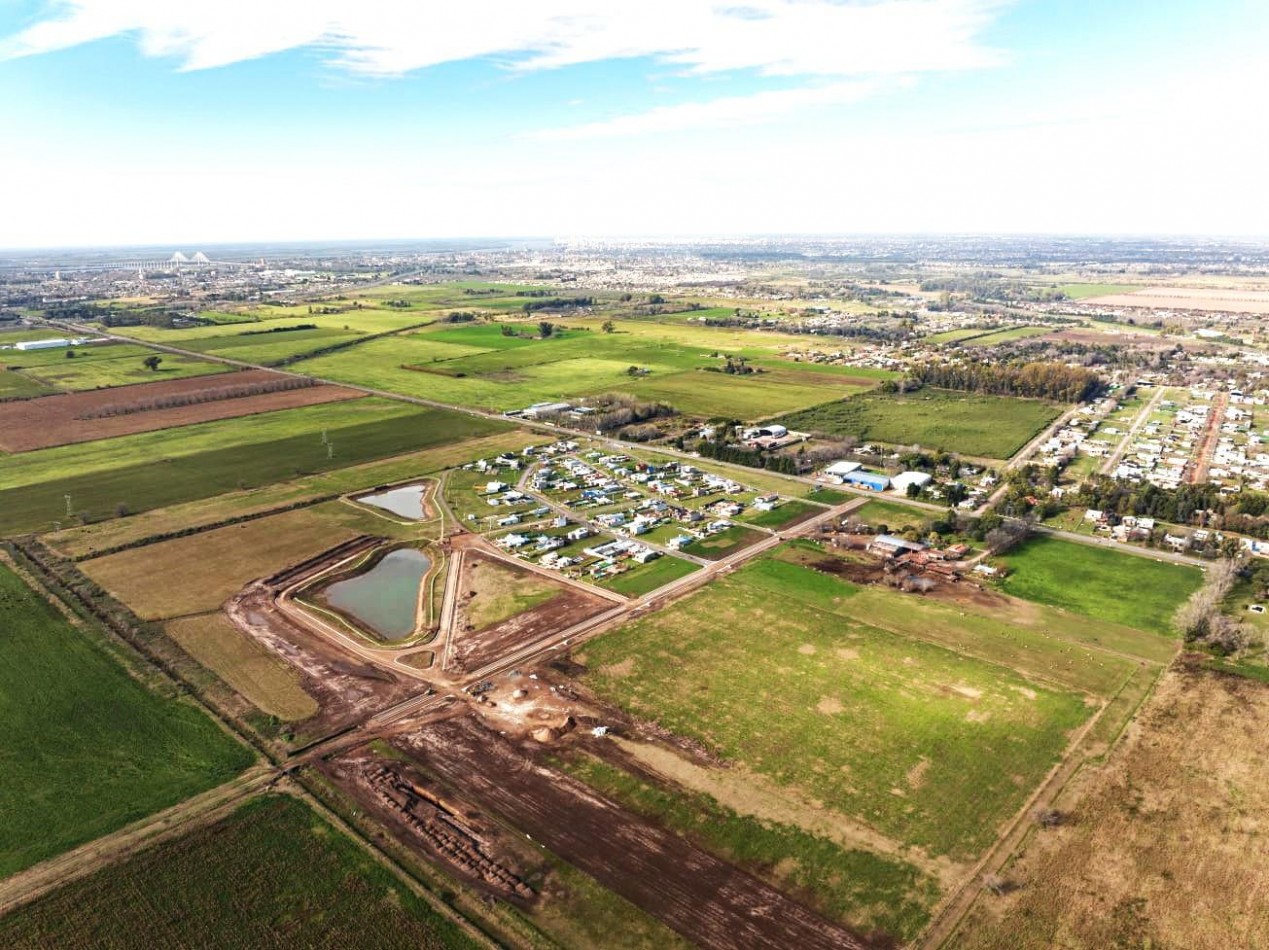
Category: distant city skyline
<point>140,122</point>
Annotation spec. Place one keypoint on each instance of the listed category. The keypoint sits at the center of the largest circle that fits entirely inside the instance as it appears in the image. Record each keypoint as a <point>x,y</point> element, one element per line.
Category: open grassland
<point>1165,846</point>
<point>271,874</point>
<point>1100,582</point>
<point>199,572</point>
<point>773,667</point>
<point>85,540</point>
<point>156,469</point>
<point>863,890</point>
<point>1081,291</point>
<point>480,365</point>
<point>645,578</point>
<point>14,385</point>
<point>86,748</point>
<point>270,684</point>
<point>101,364</point>
<point>984,426</point>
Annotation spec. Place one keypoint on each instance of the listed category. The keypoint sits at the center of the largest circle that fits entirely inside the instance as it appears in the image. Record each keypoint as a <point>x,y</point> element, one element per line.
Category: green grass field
<point>155,469</point>
<point>786,513</point>
<point>477,365</point>
<point>985,426</point>
<point>1012,333</point>
<point>100,365</point>
<point>778,668</point>
<point>893,515</point>
<point>646,578</point>
<point>86,748</point>
<point>727,542</point>
<point>271,874</point>
<point>1100,582</point>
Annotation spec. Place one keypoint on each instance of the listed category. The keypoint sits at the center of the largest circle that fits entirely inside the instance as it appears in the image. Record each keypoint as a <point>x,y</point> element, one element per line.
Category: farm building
<point>904,480</point>
<point>889,544</point>
<point>54,344</point>
<point>839,470</point>
<point>873,481</point>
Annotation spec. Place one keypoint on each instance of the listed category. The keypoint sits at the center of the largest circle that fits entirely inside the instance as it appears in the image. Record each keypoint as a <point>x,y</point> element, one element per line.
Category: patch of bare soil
<point>473,649</point>
<point>1163,846</point>
<point>347,689</point>
<point>707,900</point>
<point>421,816</point>
<point>1188,298</point>
<point>70,417</point>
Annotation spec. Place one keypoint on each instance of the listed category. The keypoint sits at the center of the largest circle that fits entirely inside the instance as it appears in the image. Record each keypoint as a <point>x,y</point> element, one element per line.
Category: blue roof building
<point>870,480</point>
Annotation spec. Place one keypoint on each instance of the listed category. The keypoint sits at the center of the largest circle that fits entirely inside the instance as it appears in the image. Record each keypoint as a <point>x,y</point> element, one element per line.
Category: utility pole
<point>70,512</point>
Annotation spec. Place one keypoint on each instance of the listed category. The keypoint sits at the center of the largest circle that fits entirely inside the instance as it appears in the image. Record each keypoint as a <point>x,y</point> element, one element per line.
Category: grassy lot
<point>111,364</point>
<point>213,565</point>
<point>646,578</point>
<point>156,469</point>
<point>829,496</point>
<point>1012,333</point>
<point>1100,582</point>
<point>248,667</point>
<point>271,874</point>
<point>87,748</point>
<point>502,592</point>
<point>725,543</point>
<point>861,889</point>
<point>1176,816</point>
<point>83,541</point>
<point>892,514</point>
<point>984,426</point>
<point>15,384</point>
<point>786,513</point>
<point>746,397</point>
<point>772,667</point>
<point>1079,291</point>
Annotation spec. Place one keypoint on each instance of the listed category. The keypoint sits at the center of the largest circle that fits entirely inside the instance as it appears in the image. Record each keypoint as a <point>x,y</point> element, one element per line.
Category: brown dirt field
<point>346,689</point>
<point>473,649</point>
<point>707,900</point>
<point>197,573</point>
<point>1188,298</point>
<point>53,420</point>
<point>1165,844</point>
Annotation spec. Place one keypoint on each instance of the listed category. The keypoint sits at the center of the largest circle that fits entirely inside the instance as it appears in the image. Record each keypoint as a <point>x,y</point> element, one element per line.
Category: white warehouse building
<point>903,480</point>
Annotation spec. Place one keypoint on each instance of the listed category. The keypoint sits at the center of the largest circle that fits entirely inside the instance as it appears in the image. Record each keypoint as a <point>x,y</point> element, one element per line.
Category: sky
<point>158,121</point>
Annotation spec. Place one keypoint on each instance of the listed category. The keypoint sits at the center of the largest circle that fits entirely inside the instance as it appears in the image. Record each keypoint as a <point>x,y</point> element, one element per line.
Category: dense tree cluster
<point>557,303</point>
<point>1038,380</point>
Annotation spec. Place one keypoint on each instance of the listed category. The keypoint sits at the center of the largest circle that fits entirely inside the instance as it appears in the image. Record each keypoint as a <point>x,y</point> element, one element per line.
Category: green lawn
<point>86,748</point>
<point>102,364</point>
<point>155,469</point>
<point>646,578</point>
<point>726,542</point>
<point>1100,582</point>
<point>779,667</point>
<point>986,426</point>
<point>271,874</point>
<point>893,515</point>
<point>786,513</point>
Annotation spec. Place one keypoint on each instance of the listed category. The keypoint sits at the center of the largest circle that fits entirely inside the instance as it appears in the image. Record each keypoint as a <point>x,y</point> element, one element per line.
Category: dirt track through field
<point>698,895</point>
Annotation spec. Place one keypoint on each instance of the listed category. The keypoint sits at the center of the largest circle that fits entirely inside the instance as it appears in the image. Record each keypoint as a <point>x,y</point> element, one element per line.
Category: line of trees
<point>198,398</point>
<point>557,303</point>
<point>1038,380</point>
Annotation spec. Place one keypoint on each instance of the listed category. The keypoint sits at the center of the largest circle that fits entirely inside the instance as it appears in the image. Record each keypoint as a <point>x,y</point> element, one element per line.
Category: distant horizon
<point>193,246</point>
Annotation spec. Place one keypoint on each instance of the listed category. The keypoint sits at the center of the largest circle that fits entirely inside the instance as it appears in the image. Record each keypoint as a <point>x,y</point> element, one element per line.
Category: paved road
<point>1112,462</point>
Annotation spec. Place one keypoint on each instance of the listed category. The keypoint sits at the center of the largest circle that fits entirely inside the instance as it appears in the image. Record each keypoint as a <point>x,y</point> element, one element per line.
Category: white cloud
<point>726,112</point>
<point>822,38</point>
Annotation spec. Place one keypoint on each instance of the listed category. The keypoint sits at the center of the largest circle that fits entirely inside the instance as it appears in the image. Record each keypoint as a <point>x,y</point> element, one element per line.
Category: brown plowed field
<point>1188,298</point>
<point>54,420</point>
<point>707,900</point>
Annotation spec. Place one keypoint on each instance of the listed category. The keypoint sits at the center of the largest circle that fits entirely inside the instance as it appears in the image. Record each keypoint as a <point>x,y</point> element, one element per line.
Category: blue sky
<point>138,121</point>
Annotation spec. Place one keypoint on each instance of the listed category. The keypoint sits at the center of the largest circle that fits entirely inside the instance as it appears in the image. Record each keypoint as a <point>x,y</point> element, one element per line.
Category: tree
<point>70,354</point>
<point>152,363</point>
<point>546,328</point>
<point>608,326</point>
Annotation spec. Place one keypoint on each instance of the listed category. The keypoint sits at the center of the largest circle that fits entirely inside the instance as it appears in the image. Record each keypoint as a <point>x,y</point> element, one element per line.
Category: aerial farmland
<point>508,612</point>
